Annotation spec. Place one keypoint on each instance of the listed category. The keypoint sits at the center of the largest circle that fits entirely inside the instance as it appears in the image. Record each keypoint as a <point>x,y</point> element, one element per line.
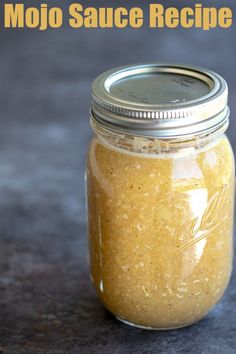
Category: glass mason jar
<point>160,188</point>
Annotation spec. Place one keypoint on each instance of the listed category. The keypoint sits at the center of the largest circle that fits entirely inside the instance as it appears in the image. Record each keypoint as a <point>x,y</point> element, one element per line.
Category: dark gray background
<point>47,304</point>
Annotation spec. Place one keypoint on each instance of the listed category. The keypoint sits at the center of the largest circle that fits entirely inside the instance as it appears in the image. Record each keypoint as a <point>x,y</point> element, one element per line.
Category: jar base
<point>155,328</point>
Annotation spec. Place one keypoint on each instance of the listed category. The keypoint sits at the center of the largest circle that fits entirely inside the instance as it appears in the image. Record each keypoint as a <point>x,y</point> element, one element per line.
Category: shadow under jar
<point>160,187</point>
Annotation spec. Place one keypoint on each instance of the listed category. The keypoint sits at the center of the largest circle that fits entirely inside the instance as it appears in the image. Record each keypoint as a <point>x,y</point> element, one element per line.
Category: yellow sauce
<point>160,231</point>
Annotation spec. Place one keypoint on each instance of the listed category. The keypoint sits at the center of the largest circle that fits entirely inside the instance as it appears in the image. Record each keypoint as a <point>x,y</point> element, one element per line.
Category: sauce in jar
<point>160,182</point>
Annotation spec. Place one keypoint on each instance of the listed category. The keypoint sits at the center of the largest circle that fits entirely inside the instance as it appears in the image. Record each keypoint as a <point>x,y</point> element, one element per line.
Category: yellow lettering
<point>55,17</point>
<point>77,20</point>
<point>32,17</point>
<point>209,18</point>
<point>136,17</point>
<point>225,17</point>
<point>120,20</point>
<point>172,17</point>
<point>18,16</point>
<point>198,15</point>
<point>156,16</point>
<point>44,17</point>
<point>106,18</point>
<point>185,14</point>
<point>14,15</point>
<point>91,17</point>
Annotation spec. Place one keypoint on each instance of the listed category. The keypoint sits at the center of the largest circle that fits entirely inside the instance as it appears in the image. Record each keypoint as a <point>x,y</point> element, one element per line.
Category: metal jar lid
<point>159,100</point>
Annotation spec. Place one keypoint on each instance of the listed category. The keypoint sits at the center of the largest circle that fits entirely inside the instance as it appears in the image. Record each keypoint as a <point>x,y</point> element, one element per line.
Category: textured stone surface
<point>47,304</point>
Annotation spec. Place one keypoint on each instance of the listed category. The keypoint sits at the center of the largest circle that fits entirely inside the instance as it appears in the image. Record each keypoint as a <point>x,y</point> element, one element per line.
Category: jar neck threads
<point>153,145</point>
